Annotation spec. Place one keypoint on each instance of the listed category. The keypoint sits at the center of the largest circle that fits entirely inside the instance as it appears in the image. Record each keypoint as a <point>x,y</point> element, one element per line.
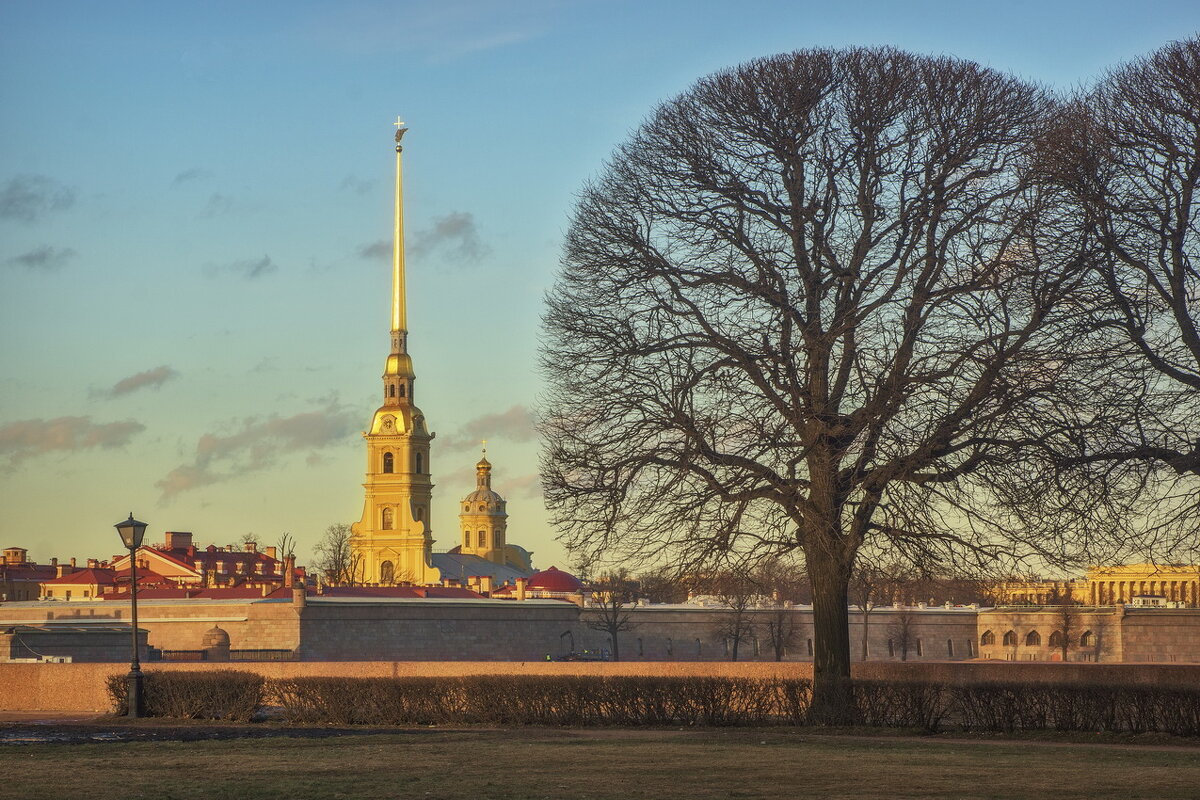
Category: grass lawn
<point>579,764</point>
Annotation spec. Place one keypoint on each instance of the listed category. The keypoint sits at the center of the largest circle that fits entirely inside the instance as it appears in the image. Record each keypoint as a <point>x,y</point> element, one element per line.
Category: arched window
<point>1087,639</point>
<point>389,462</point>
<point>392,390</point>
<point>483,538</point>
<point>950,648</point>
<point>1056,639</point>
<point>699,647</point>
<point>1033,639</point>
<point>420,464</point>
<point>919,650</point>
<point>482,507</point>
<point>1010,639</point>
<point>467,507</point>
<point>389,519</point>
<point>387,572</point>
<point>891,648</point>
<point>640,651</point>
<point>420,515</point>
<point>402,394</point>
<point>988,638</point>
<point>810,650</point>
<point>467,539</point>
<point>670,646</point>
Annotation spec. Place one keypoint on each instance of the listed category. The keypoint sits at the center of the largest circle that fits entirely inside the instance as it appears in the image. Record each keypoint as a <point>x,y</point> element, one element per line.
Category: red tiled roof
<point>96,575</point>
<point>554,579</point>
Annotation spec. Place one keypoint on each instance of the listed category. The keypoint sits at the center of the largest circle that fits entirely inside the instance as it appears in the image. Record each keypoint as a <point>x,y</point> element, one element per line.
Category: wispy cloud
<point>217,205</point>
<point>26,198</point>
<point>376,251</point>
<point>454,234</point>
<point>256,445</point>
<point>250,268</point>
<point>31,437</point>
<point>513,425</point>
<point>436,31</point>
<point>150,379</point>
<point>190,175</point>
<point>528,486</point>
<point>353,183</point>
<point>43,259</point>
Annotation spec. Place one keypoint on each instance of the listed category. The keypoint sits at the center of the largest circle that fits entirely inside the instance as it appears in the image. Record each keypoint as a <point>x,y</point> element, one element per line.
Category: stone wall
<point>693,633</point>
<point>434,630</point>
<point>1159,634</point>
<point>1093,634</point>
<point>81,687</point>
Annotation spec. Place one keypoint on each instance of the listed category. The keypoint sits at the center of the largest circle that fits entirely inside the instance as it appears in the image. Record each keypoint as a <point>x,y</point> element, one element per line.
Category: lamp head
<point>131,532</point>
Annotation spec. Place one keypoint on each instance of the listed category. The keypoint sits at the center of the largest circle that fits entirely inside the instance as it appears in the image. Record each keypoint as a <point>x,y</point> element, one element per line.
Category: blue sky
<point>193,306</point>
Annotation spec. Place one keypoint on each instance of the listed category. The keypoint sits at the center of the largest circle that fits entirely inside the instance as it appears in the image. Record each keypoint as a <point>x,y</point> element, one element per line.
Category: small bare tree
<point>336,560</point>
<point>285,546</point>
<point>610,607</point>
<point>902,630</point>
<point>1066,620</point>
<point>737,591</point>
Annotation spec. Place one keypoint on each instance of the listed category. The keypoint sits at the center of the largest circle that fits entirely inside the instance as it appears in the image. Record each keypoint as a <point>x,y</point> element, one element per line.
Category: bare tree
<point>285,546</point>
<point>661,586</point>
<point>902,630</point>
<point>873,584</point>
<point>1129,154</point>
<point>1066,622</point>
<point>336,560</point>
<point>737,592</point>
<point>805,307</point>
<point>609,610</point>
<point>783,581</point>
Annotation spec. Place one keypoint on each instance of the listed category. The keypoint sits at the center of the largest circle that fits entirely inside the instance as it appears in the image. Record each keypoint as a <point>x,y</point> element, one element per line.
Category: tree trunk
<point>616,648</point>
<point>831,701</point>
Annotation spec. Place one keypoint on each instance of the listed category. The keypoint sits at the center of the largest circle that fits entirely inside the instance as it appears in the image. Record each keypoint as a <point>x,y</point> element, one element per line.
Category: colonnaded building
<point>393,542</point>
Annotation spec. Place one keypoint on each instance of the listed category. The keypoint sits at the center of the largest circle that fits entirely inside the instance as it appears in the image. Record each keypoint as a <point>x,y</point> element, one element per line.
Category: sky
<point>195,222</point>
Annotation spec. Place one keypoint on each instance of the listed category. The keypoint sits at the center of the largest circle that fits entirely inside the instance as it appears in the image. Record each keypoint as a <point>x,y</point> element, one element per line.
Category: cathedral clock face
<point>389,424</point>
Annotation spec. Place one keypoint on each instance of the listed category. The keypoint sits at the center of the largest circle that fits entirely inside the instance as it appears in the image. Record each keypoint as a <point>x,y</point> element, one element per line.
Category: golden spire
<point>399,317</point>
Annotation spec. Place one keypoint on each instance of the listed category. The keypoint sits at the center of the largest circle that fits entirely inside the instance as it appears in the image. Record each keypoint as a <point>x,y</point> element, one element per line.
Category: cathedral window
<point>420,463</point>
<point>387,572</point>
<point>420,513</point>
<point>467,539</point>
<point>1087,639</point>
<point>1010,639</point>
<point>1056,639</point>
<point>1033,639</point>
<point>388,462</point>
<point>483,538</point>
<point>402,394</point>
<point>987,638</point>
<point>482,507</point>
<point>392,390</point>
<point>388,519</point>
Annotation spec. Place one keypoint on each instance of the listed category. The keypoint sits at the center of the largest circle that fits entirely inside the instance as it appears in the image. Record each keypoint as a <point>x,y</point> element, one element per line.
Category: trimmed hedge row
<point>216,694</point>
<point>661,701</point>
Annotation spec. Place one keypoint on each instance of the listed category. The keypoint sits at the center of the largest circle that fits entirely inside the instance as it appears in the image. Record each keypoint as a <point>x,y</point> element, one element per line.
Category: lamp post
<point>132,532</point>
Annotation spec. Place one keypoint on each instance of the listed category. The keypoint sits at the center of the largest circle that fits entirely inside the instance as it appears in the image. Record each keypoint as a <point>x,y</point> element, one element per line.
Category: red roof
<point>554,580</point>
<point>97,575</point>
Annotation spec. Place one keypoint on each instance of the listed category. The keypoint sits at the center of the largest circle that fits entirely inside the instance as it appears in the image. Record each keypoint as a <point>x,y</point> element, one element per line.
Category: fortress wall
<point>1151,634</point>
<point>489,630</point>
<point>177,625</point>
<point>80,687</point>
<point>691,633</point>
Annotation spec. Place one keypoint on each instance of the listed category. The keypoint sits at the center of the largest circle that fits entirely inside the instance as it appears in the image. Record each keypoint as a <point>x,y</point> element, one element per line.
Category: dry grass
<point>541,763</point>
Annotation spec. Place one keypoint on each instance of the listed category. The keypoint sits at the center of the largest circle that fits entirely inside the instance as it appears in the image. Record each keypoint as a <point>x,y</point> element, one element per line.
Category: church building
<point>393,541</point>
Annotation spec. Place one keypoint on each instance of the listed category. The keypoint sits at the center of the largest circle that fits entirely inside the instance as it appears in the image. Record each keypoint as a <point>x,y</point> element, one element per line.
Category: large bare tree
<point>805,306</point>
<point>1129,153</point>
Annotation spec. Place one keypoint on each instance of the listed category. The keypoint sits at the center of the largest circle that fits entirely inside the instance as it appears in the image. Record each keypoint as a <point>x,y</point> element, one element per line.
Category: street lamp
<point>132,532</point>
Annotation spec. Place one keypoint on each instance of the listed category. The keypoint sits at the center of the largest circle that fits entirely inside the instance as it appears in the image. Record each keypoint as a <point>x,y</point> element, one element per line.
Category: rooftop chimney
<point>72,561</point>
<point>250,547</point>
<point>521,588</point>
<point>289,571</point>
<point>271,552</point>
<point>177,539</point>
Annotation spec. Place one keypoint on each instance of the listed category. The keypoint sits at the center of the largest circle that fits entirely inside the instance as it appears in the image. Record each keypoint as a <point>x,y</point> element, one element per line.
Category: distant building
<point>20,578</point>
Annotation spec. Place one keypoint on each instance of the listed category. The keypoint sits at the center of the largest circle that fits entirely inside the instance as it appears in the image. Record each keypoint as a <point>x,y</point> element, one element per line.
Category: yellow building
<point>1109,585</point>
<point>393,541</point>
<point>483,523</point>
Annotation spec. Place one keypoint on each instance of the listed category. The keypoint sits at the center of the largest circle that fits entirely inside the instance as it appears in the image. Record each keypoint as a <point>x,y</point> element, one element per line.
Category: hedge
<point>660,701</point>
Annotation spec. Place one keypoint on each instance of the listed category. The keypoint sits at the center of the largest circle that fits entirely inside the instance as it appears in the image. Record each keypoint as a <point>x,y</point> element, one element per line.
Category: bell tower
<point>393,541</point>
